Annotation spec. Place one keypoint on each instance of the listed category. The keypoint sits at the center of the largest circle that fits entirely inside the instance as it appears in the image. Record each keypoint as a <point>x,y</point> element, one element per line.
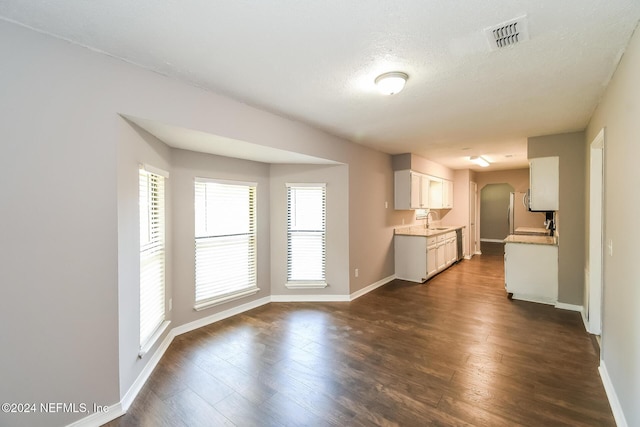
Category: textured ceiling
<point>316,62</point>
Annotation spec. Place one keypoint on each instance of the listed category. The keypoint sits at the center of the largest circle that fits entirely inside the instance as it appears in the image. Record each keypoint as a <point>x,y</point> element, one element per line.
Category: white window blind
<point>306,233</point>
<point>225,241</point>
<point>152,254</point>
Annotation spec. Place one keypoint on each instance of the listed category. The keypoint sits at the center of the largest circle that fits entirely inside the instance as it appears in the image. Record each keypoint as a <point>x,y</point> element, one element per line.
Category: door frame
<point>474,232</point>
<point>594,298</point>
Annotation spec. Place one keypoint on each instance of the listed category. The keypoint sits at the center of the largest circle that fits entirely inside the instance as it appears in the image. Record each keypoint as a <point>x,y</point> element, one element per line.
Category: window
<point>306,235</point>
<point>152,256</point>
<point>225,241</point>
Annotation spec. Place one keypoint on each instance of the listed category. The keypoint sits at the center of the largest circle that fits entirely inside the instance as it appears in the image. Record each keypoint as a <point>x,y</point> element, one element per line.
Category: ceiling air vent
<point>508,33</point>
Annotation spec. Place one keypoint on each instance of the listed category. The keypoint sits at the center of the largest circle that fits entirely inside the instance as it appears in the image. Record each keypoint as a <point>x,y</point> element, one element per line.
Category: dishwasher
<point>459,244</point>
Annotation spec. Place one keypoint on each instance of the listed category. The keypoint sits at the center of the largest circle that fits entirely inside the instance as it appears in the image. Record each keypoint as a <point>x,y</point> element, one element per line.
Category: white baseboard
<point>570,307</point>
<point>99,418</point>
<point>583,314</point>
<point>332,298</point>
<point>616,408</point>
<point>533,298</point>
<point>492,240</point>
<point>309,298</point>
<point>135,388</point>
<point>371,287</point>
<point>188,327</point>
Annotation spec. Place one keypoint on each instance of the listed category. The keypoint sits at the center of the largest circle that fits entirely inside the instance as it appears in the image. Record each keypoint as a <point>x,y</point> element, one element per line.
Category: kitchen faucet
<point>427,217</point>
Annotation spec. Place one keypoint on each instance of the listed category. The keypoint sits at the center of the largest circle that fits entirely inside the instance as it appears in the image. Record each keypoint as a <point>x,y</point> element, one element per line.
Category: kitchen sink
<point>439,228</point>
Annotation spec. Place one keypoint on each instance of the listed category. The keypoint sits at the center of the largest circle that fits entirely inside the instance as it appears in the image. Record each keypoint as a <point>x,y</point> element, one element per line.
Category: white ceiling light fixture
<point>480,161</point>
<point>391,83</point>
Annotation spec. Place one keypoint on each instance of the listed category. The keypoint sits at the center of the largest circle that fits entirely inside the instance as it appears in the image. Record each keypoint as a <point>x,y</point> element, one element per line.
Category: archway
<point>494,212</point>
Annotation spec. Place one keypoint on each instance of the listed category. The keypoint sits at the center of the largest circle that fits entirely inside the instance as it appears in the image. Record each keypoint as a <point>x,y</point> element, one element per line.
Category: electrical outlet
<point>386,205</point>
<point>357,272</point>
<point>610,246</point>
<point>170,303</point>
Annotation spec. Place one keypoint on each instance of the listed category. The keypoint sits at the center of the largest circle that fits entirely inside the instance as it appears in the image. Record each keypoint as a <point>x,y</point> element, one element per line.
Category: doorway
<point>494,212</point>
<point>595,283</point>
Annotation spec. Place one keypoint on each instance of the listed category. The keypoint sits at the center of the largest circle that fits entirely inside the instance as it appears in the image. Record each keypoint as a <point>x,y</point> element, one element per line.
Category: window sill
<point>152,340</point>
<point>306,285</point>
<point>225,298</point>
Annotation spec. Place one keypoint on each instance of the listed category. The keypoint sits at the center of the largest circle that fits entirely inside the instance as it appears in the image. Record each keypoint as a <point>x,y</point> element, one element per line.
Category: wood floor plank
<point>452,351</point>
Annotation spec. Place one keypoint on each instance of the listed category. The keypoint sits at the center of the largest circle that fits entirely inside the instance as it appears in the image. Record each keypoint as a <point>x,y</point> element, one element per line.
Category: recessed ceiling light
<point>480,161</point>
<point>391,83</point>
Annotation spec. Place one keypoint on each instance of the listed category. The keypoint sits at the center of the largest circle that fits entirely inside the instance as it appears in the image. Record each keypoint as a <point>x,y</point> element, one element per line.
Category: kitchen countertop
<point>421,231</point>
<point>532,231</point>
<point>532,240</point>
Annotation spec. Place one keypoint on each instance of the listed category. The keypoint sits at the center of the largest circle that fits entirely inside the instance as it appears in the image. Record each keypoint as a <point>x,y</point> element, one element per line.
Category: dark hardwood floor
<point>452,352</point>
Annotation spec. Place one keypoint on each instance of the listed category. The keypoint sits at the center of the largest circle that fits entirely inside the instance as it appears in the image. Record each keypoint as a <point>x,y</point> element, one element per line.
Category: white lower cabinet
<point>432,256</point>
<point>441,259</point>
<point>418,258</point>
<point>531,272</point>
<point>450,248</point>
<point>411,258</point>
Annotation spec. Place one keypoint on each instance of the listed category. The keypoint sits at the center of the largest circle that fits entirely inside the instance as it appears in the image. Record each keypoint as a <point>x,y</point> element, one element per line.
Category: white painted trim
<point>154,170</point>
<point>616,408</point>
<point>203,305</point>
<point>595,245</point>
<point>154,338</point>
<point>371,287</point>
<point>309,298</point>
<point>533,298</point>
<point>99,418</point>
<point>583,314</point>
<point>135,388</point>
<point>570,307</point>
<point>225,181</point>
<point>306,285</point>
<point>188,327</point>
<point>598,141</point>
<point>333,298</point>
<point>492,240</point>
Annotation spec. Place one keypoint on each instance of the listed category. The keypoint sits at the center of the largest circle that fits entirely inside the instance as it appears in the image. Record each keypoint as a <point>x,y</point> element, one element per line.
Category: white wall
<point>68,305</point>
<point>618,112</point>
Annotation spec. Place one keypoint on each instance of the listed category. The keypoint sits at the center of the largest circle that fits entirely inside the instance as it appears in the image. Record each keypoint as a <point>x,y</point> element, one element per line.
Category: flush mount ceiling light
<point>480,161</point>
<point>391,83</point>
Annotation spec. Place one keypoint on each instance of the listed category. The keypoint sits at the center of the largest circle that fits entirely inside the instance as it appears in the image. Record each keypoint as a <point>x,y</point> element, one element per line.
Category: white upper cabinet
<point>411,190</point>
<point>544,183</point>
<point>447,194</point>
<point>440,194</point>
<point>435,193</point>
<point>414,190</point>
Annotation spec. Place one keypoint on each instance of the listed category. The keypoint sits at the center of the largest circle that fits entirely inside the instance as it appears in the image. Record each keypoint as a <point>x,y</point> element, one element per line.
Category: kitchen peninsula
<point>421,253</point>
<point>531,268</point>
